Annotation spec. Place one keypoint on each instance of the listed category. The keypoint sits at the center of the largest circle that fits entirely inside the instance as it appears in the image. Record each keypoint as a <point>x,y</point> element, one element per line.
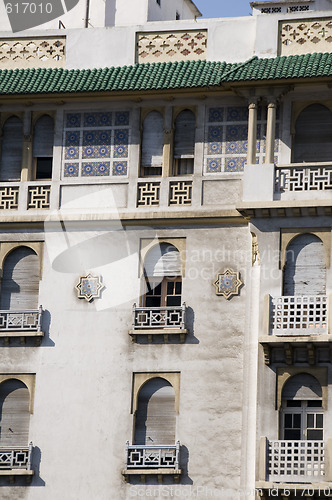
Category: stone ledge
<point>182,332</point>
<point>175,473</point>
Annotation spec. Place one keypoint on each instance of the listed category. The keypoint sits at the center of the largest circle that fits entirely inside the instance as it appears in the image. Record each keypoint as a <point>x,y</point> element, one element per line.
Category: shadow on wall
<point>46,322</point>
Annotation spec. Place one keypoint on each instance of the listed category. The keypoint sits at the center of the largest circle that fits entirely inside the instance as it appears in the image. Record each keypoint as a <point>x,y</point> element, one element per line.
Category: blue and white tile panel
<point>96,144</point>
<point>226,139</point>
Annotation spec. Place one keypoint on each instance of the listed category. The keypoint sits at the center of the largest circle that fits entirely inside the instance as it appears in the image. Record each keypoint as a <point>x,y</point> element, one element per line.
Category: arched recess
<point>152,144</point>
<point>11,149</point>
<point>20,280</point>
<point>42,147</point>
<point>184,143</point>
<point>313,135</point>
<point>14,413</point>
<point>155,416</point>
<point>302,416</point>
<point>305,269</point>
<point>162,276</point>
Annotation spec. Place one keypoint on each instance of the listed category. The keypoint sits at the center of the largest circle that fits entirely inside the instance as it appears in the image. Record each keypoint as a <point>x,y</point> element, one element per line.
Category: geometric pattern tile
<point>228,283</point>
<point>92,140</point>
<point>226,139</point>
<point>89,287</point>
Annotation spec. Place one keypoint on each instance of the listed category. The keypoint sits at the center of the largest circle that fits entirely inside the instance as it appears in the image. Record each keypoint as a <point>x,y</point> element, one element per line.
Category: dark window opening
<point>44,168</point>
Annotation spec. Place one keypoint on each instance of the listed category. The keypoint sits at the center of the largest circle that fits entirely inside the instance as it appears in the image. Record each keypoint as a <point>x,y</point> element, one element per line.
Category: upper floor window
<point>305,269</point>
<point>152,144</point>
<point>14,413</point>
<point>301,412</point>
<point>11,150</point>
<point>20,280</point>
<point>42,148</point>
<point>313,135</point>
<point>162,275</point>
<point>155,415</point>
<point>184,143</point>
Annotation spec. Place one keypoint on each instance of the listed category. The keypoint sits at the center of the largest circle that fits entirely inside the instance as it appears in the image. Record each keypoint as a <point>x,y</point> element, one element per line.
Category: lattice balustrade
<point>20,321</point>
<point>158,317</point>
<point>148,194</point>
<point>299,178</point>
<point>15,457</point>
<point>299,315</point>
<point>32,52</point>
<point>296,461</point>
<point>9,198</point>
<point>39,197</point>
<point>305,36</point>
<point>180,193</point>
<point>152,457</point>
<point>171,46</point>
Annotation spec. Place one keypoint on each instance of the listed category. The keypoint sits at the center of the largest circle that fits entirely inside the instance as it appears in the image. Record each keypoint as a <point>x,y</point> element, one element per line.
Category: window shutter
<point>15,415</point>
<point>43,137</point>
<point>313,135</point>
<point>184,134</point>
<point>302,386</point>
<point>155,417</point>
<point>11,150</point>
<point>152,140</point>
<point>305,271</point>
<point>20,281</point>
<point>163,260</point>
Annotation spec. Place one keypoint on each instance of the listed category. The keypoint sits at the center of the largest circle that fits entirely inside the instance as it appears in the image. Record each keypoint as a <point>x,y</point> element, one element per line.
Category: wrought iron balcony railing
<point>21,321</point>
<point>159,317</point>
<point>295,461</point>
<point>299,315</point>
<point>152,457</point>
<point>15,457</point>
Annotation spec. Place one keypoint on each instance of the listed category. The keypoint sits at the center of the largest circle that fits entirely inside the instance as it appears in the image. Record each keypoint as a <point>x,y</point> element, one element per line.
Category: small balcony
<point>297,463</point>
<point>296,322</point>
<point>143,460</point>
<point>16,461</point>
<point>287,190</point>
<point>163,321</point>
<point>21,324</point>
<point>298,315</point>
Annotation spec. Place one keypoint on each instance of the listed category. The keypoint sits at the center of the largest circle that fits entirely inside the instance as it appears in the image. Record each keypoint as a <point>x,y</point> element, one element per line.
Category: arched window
<point>152,144</point>
<point>184,143</point>
<point>313,135</point>
<point>305,270</point>
<point>14,413</point>
<point>20,280</point>
<point>155,416</point>
<point>11,150</point>
<point>42,148</point>
<point>301,412</point>
<point>162,274</point>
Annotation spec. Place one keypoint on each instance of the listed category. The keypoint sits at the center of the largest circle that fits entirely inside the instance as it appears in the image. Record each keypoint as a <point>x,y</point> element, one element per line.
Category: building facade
<point>165,248</point>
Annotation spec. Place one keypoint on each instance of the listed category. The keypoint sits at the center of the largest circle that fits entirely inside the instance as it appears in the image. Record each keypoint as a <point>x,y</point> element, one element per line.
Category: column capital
<point>272,102</point>
<point>253,102</point>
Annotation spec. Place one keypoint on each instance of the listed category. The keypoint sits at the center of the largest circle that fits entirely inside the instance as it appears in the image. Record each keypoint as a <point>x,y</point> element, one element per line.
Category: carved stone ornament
<point>228,283</point>
<point>89,287</point>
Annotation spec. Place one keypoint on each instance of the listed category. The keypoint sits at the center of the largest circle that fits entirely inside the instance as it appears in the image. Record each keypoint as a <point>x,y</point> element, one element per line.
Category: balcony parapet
<point>16,461</point>
<point>292,465</point>
<point>159,321</point>
<point>294,324</point>
<point>143,460</point>
<point>21,324</point>
<point>299,315</point>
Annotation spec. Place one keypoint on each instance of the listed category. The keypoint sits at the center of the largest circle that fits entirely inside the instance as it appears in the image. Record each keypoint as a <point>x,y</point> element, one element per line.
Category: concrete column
<point>27,167</point>
<point>270,131</point>
<point>252,132</point>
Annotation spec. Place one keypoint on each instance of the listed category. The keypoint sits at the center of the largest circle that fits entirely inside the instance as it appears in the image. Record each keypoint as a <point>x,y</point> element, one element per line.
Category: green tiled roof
<point>162,76</point>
